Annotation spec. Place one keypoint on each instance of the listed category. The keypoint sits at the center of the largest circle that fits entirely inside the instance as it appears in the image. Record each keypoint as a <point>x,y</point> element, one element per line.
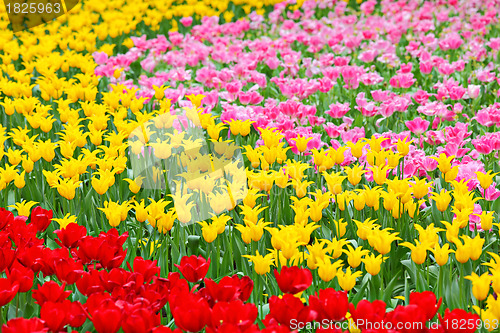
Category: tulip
<point>140,320</point>
<point>293,279</point>
<point>485,179</point>
<point>290,307</point>
<point>194,268</point>
<point>50,292</point>
<point>262,264</point>
<point>417,126</point>
<point>382,240</point>
<point>70,235</point>
<point>22,325</point>
<point>22,275</point>
<point>330,304</point>
<point>427,303</point>
<point>442,199</point>
<point>55,315</point>
<point>444,162</point>
<point>480,285</point>
<point>367,314</point>
<point>372,263</point>
<point>354,255</point>
<point>191,312</point>
<point>230,288</point>
<point>420,188</point>
<point>236,313</point>
<point>107,318</point>
<point>347,280</point>
<point>486,220</point>
<point>328,270</point>
<point>7,257</point>
<point>6,218</point>
<point>441,254</point>
<point>418,251</point>
<point>8,289</point>
<point>406,318</point>
<point>403,146</point>
<point>354,174</point>
<point>458,316</point>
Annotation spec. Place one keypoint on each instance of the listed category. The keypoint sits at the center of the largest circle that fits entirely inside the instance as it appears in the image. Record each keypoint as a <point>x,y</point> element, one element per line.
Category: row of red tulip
<point>132,299</point>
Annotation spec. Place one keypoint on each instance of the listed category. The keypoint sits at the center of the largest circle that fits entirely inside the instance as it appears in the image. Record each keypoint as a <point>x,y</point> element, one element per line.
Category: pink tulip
<point>417,126</point>
<point>186,21</point>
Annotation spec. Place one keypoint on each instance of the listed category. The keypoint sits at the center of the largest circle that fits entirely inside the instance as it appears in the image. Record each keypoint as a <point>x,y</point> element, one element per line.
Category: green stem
<point>440,283</point>
<point>460,267</point>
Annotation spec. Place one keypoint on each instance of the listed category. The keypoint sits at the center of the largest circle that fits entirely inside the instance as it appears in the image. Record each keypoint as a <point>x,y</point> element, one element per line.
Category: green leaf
<point>389,289</point>
<point>360,293</point>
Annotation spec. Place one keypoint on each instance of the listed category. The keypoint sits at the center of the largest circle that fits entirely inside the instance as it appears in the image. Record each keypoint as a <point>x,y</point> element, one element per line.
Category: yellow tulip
<point>441,254</point>
<point>444,162</point>
<point>485,179</point>
<point>442,199</point>
<point>373,263</point>
<point>418,251</point>
<point>261,264</point>
<point>347,280</point>
<point>328,270</point>
<point>480,285</point>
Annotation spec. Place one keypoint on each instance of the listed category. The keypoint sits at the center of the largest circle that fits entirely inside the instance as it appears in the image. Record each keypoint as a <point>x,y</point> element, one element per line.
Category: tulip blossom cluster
<point>133,299</point>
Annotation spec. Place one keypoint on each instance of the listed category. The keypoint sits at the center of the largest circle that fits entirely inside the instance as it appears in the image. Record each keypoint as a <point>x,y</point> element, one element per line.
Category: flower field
<point>244,166</point>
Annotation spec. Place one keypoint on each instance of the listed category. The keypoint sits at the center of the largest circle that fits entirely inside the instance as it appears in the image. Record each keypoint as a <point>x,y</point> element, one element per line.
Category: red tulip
<point>55,315</point>
<point>7,256</point>
<point>293,280</point>
<point>22,325</point>
<point>22,234</point>
<point>76,314</point>
<point>68,270</point>
<point>6,218</point>
<point>408,319</point>
<point>71,235</point>
<point>116,278</point>
<point>107,249</point>
<point>8,289</point>
<point>41,218</point>
<point>194,268</point>
<point>235,313</point>
<point>107,318</point>
<point>448,322</point>
<point>427,302</point>
<point>148,268</point>
<point>32,257</point>
<point>191,312</point>
<point>50,292</point>
<point>273,326</point>
<point>290,307</point>
<point>90,283</point>
<point>330,305</point>
<point>366,312</point>
<point>140,320</point>
<point>22,275</point>
<point>50,257</point>
<point>228,289</point>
